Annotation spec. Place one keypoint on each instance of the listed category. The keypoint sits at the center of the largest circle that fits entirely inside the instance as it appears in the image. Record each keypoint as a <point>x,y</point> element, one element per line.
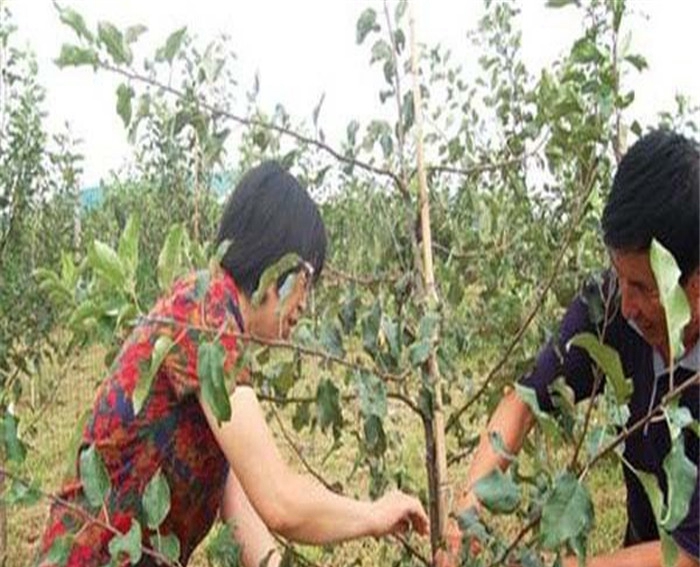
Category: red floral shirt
<point>170,432</point>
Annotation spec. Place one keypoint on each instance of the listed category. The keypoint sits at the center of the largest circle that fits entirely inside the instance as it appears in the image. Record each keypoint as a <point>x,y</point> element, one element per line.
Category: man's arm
<point>513,421</point>
<point>641,555</point>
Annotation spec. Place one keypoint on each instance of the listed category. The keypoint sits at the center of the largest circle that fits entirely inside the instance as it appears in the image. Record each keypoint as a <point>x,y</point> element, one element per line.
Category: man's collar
<point>689,361</point>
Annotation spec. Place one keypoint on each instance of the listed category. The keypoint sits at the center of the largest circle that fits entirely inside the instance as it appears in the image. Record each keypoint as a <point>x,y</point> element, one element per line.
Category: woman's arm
<point>247,527</point>
<point>294,505</point>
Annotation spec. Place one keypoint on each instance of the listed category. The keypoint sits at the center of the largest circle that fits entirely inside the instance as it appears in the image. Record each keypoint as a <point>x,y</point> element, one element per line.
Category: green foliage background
<point>518,168</point>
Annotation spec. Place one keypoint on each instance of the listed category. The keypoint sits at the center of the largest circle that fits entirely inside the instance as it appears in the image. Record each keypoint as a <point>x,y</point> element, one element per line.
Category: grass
<point>47,458</point>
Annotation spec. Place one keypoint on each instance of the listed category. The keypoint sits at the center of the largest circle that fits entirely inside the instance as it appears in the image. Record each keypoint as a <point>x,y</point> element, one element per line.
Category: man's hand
<point>450,556</point>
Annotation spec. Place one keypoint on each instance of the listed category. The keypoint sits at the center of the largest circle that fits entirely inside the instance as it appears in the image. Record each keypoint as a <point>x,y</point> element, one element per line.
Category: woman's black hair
<point>655,195</point>
<point>267,216</point>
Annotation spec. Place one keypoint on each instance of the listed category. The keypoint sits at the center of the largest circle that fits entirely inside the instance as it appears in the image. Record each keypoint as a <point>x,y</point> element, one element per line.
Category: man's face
<point>641,302</point>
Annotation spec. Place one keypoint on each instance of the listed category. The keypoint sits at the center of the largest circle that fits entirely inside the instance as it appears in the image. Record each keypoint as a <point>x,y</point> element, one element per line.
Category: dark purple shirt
<point>647,448</point>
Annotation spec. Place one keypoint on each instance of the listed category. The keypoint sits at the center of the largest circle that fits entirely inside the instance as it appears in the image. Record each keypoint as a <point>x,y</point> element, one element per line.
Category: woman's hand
<point>396,512</point>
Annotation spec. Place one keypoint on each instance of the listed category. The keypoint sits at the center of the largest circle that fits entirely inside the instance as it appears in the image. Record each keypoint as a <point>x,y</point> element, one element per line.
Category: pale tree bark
<point>435,436</point>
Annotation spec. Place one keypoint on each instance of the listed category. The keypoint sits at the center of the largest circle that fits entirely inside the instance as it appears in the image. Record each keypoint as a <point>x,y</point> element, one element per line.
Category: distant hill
<point>222,184</point>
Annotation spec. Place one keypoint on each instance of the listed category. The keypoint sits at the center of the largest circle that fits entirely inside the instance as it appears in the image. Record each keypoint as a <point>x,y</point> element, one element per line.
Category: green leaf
<point>678,418</point>
<point>22,494</point>
<point>94,476</point>
<point>370,328</point>
<point>14,448</point>
<point>317,110</point>
<point>366,23</point>
<point>597,439</point>
<point>669,549</point>
<point>161,348</point>
<point>372,394</point>
<point>671,295</point>
<point>471,526</point>
<point>651,487</point>
<point>302,416</point>
<point>75,441</point>
<point>272,273</point>
<point>498,492</point>
<point>682,475</point>
<point>124,96</point>
<point>106,263</point>
<point>639,62</point>
<point>546,421</point>
<point>375,438</point>
<point>134,32</point>
<point>567,513</point>
<point>332,339</point>
<point>169,546</point>
<point>129,543</point>
<point>392,332</point>
<point>499,446</point>
<point>156,500</point>
<point>419,352</point>
<point>210,370</point>
<point>113,39</point>
<point>85,311</point>
<point>74,56</point>
<point>428,326</point>
<point>169,257</point>
<point>561,3</point>
<point>400,9</point>
<point>59,551</point>
<point>128,250</point>
<point>75,21</point>
<point>381,50</point>
<point>172,46</point>
<point>608,360</point>
<point>328,410</point>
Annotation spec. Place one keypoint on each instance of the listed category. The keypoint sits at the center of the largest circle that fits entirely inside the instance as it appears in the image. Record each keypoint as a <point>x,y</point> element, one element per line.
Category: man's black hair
<point>267,216</point>
<point>655,195</point>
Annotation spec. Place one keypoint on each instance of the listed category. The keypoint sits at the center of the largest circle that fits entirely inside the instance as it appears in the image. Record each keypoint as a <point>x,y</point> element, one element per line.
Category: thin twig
<point>454,418</point>
<point>255,123</point>
<point>412,550</point>
<point>344,398</point>
<point>334,273</point>
<point>305,561</point>
<point>518,538</point>
<point>300,455</point>
<point>403,186</point>
<point>596,383</point>
<point>309,468</point>
<point>626,432</point>
<point>159,557</point>
<point>282,344</point>
<point>693,381</point>
<point>478,169</point>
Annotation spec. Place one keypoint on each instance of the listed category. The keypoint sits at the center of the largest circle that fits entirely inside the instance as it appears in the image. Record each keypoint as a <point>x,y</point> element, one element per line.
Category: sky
<point>303,49</point>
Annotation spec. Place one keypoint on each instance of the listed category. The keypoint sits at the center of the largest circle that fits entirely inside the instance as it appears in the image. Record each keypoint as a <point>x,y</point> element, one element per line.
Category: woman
<point>230,467</point>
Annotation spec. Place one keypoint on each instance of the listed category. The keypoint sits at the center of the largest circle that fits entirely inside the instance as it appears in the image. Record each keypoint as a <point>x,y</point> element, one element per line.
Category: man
<point>654,196</point>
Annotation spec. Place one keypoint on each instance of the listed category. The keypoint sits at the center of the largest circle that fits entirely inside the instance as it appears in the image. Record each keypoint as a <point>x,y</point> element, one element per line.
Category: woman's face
<point>283,306</point>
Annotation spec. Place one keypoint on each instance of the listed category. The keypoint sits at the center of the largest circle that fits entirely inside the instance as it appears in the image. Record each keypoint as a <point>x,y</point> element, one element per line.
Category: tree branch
<point>454,418</point>
<point>159,557</point>
<point>671,395</point>
<point>251,122</point>
<point>399,123</point>
<point>596,384</point>
<point>286,345</point>
<point>368,280</point>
